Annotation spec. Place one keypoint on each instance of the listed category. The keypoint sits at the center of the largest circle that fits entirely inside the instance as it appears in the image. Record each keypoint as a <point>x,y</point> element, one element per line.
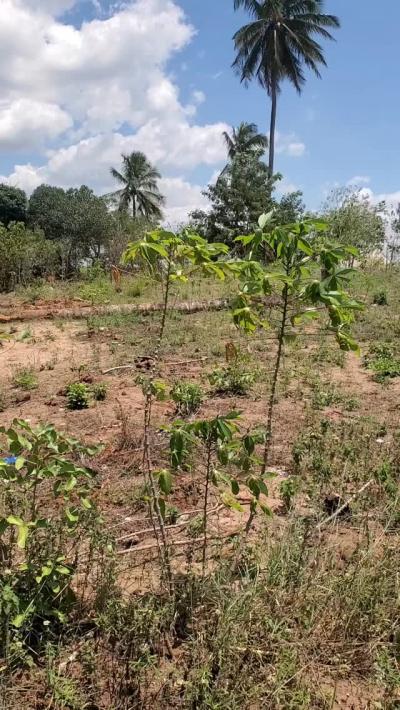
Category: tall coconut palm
<point>139,187</point>
<point>278,44</point>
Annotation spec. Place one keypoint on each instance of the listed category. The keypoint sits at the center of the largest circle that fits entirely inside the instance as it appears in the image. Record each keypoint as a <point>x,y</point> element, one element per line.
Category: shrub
<point>188,397</point>
<point>36,590</point>
<point>99,391</point>
<point>25,378</point>
<point>231,380</point>
<point>383,362</point>
<point>24,256</point>
<point>380,298</point>
<point>78,396</point>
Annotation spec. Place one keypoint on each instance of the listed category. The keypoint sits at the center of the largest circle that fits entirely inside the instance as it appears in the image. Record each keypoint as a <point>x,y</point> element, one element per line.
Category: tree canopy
<point>139,191</point>
<point>13,204</point>
<point>354,221</point>
<point>278,43</point>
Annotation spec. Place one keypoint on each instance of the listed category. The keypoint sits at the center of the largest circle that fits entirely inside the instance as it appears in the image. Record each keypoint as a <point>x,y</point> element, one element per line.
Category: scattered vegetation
<point>25,378</point>
<point>382,361</point>
<point>231,380</point>
<point>188,397</point>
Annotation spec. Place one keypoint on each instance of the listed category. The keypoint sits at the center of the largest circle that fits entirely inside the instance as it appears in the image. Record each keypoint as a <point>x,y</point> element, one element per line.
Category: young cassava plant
<point>170,259</point>
<point>39,542</point>
<point>230,458</point>
<point>305,278</point>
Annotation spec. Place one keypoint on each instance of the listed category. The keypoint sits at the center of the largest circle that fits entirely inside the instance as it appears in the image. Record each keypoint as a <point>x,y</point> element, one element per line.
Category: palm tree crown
<point>139,180</point>
<point>278,43</point>
<point>244,139</point>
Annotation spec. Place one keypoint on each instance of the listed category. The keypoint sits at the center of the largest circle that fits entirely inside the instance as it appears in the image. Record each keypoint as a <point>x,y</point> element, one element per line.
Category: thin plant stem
<point>147,462</point>
<point>205,506</point>
<point>275,377</point>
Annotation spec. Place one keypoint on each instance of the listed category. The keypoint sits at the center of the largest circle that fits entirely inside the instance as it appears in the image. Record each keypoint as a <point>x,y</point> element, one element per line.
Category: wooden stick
<point>177,543</point>
<point>345,505</point>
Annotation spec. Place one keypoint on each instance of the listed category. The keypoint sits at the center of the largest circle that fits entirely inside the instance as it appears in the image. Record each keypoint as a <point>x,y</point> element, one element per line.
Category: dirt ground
<point>61,352</point>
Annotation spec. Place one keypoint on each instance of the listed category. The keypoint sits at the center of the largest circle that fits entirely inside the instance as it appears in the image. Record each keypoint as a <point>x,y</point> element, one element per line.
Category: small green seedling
<point>231,380</point>
<point>78,396</point>
<point>99,391</point>
<point>25,378</point>
<point>188,397</point>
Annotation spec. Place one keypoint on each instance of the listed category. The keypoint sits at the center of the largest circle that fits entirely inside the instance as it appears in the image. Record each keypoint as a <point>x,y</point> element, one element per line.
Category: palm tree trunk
<point>134,207</point>
<point>272,129</point>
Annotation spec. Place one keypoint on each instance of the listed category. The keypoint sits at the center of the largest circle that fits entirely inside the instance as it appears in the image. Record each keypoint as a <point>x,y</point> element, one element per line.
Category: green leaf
<point>23,531</point>
<point>231,502</point>
<point>235,487</point>
<point>264,219</point>
<point>165,481</point>
<point>13,520</point>
<point>19,620</point>
<point>20,463</point>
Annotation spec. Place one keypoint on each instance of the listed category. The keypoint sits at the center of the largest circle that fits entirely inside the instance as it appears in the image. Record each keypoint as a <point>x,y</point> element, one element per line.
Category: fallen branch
<point>178,543</point>
<point>166,364</point>
<point>50,312</point>
<point>146,531</point>
<point>345,505</point>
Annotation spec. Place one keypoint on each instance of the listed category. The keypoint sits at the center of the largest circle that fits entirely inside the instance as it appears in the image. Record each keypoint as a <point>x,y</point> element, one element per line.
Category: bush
<point>99,391</point>
<point>36,583</point>
<point>26,379</point>
<point>231,380</point>
<point>188,397</point>
<point>380,299</point>
<point>78,396</point>
<point>24,256</point>
<point>383,362</point>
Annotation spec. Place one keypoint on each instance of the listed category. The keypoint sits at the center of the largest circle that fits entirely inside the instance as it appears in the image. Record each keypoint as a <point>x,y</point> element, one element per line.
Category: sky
<point>82,81</point>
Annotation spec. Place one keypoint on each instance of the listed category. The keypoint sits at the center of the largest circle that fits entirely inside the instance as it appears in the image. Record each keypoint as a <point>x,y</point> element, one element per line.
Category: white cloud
<point>53,7</point>
<point>25,123</point>
<point>79,97</point>
<point>392,199</point>
<point>182,198</point>
<point>359,180</point>
<point>288,144</point>
<point>283,187</point>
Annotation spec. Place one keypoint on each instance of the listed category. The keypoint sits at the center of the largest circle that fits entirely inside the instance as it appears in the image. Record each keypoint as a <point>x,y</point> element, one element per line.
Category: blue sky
<point>348,121</point>
<point>83,80</point>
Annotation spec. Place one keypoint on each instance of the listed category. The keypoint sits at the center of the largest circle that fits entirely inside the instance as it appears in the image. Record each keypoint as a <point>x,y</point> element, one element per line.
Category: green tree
<point>24,256</point>
<point>353,221</point>
<point>12,204</point>
<point>290,209</point>
<point>241,194</point>
<point>277,44</point>
<point>139,191</point>
<point>76,219</point>
<point>245,139</point>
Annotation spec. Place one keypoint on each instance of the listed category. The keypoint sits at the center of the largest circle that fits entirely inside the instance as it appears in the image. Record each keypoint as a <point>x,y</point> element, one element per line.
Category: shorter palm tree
<point>245,139</point>
<point>139,180</point>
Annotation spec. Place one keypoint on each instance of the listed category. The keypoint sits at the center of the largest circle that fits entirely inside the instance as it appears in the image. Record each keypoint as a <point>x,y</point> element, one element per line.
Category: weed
<point>231,380</point>
<point>380,298</point>
<point>134,291</point>
<point>383,362</point>
<point>25,378</point>
<point>78,396</point>
<point>326,395</point>
<point>99,391</point>
<point>24,335</point>
<point>288,489</point>
<point>188,397</point>
<point>3,401</point>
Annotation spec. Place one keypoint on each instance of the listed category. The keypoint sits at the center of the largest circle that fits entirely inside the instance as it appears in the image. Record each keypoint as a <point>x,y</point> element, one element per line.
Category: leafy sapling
<point>305,278</point>
<point>230,459</point>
